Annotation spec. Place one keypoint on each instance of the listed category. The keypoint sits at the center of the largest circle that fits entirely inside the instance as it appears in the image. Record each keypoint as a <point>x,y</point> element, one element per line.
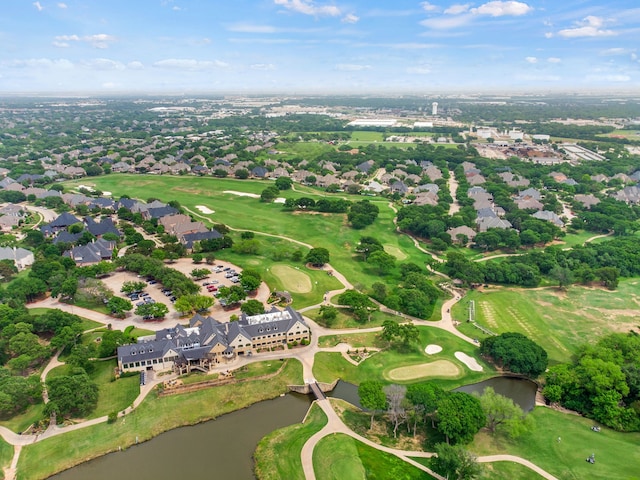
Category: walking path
<point>305,355</point>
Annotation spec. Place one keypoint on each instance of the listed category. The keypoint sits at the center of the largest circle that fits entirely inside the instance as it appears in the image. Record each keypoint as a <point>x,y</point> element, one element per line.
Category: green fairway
<point>559,321</point>
<point>328,230</point>
<point>278,454</point>
<point>329,366</point>
<point>617,454</point>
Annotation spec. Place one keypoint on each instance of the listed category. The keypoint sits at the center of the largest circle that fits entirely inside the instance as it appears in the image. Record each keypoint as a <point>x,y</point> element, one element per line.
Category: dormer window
<point>150,349</point>
<point>133,352</point>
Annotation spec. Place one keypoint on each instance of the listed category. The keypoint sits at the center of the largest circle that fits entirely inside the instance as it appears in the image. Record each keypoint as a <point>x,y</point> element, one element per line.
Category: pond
<point>521,390</point>
<point>221,448</point>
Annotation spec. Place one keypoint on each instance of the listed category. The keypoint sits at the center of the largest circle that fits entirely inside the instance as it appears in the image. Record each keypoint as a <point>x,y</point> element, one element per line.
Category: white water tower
<point>434,108</point>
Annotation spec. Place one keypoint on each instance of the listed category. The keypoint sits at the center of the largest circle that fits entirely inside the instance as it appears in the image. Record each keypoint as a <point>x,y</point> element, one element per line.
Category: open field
<point>439,368</point>
<point>628,134</point>
<point>497,470</point>
<point>278,454</point>
<point>617,454</point>
<point>559,321</point>
<point>155,415</point>
<point>356,340</point>
<point>329,366</point>
<point>292,279</point>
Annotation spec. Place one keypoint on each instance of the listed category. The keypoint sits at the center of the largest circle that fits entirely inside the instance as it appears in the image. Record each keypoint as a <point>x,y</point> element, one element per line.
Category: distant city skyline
<point>307,46</point>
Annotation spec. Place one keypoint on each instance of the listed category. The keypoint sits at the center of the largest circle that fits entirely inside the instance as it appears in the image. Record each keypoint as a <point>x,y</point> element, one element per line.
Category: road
<point>453,189</point>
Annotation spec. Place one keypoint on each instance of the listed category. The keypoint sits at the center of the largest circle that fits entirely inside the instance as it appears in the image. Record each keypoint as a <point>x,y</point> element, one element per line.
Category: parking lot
<point>154,291</point>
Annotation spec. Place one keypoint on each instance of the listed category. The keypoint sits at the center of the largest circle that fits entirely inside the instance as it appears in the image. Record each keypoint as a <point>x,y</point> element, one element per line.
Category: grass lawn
<point>19,423</point>
<point>257,369</point>
<point>278,454</point>
<point>154,416</point>
<point>346,320</point>
<point>329,366</point>
<point>617,454</point>
<point>357,340</point>
<point>340,457</point>
<point>6,454</point>
<point>329,231</point>
<point>558,321</point>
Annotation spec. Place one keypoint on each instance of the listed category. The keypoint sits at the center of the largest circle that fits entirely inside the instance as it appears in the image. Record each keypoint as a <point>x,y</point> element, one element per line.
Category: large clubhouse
<point>207,342</point>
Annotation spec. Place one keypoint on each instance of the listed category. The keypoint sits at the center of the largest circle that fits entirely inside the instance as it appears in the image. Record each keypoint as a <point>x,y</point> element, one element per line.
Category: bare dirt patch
<point>471,363</point>
<point>439,368</point>
<point>292,279</point>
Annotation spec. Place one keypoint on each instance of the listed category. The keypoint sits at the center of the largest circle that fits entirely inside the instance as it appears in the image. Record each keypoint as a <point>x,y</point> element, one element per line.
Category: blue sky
<point>318,46</point>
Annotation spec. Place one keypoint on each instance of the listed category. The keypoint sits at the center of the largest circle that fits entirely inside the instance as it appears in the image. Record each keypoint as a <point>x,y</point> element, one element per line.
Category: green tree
<point>284,183</point>
<point>232,295</point>
<point>188,304</point>
<point>328,314</point>
<point>501,412</point>
<point>562,275</point>
<point>152,310</point>
<point>250,282</point>
<point>252,307</point>
<point>456,463</point>
<point>516,353</point>
<point>200,273</point>
<point>317,257</point>
<point>372,397</point>
<point>133,286</point>
<point>72,395</point>
<point>382,262</point>
<point>269,194</point>
<point>119,306</point>
<point>460,417</point>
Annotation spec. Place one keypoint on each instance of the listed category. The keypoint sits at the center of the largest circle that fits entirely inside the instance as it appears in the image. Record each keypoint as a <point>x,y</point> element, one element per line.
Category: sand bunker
<point>439,368</point>
<point>280,200</point>
<point>470,362</point>
<point>242,194</point>
<point>205,210</point>
<point>432,349</point>
<point>292,280</point>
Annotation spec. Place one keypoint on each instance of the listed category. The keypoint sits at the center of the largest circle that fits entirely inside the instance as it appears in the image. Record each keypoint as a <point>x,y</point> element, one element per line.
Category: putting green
<point>292,280</point>
<point>395,251</point>
<point>439,368</point>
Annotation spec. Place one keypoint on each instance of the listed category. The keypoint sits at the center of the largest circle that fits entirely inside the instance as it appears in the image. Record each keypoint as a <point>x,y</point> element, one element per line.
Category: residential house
<point>587,200</point>
<point>93,252</point>
<point>21,257</point>
<point>64,221</point>
<point>98,229</point>
<point>457,233</point>
<point>549,216</point>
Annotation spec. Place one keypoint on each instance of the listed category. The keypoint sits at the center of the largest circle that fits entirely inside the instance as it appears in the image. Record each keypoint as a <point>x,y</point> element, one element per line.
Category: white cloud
<point>428,7</point>
<point>444,23</point>
<point>38,6</point>
<point>350,18</point>
<point>589,27</point>
<point>548,35</point>
<point>500,9</point>
<point>189,64</point>
<point>422,70</point>
<point>457,9</point>
<point>352,67</point>
<point>308,7</point>
<point>62,5</point>
<point>614,51</point>
<point>554,60</point>
<point>176,8</point>
<point>62,63</point>
<point>531,59</point>
<point>263,66</point>
<point>103,64</point>
<point>100,40</point>
<point>135,65</point>
<point>250,28</point>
